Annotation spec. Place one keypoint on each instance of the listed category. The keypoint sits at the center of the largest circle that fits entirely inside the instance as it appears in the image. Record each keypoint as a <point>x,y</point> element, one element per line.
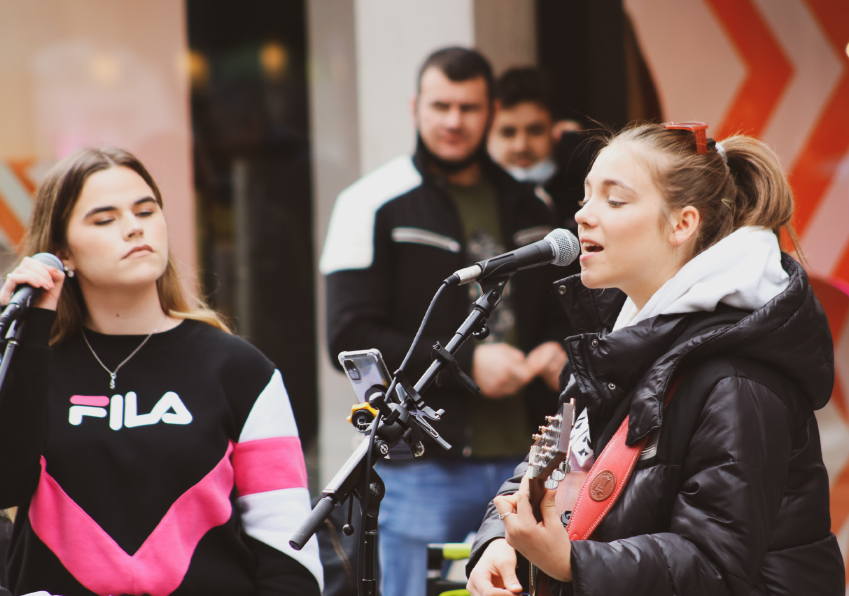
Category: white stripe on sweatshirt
<point>273,516</point>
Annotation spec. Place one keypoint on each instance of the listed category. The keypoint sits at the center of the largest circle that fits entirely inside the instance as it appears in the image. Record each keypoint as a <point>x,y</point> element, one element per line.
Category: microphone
<point>25,294</point>
<point>559,248</point>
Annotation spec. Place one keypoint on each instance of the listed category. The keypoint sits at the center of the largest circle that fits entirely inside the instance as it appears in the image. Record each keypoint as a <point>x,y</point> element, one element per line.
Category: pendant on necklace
<point>112,382</point>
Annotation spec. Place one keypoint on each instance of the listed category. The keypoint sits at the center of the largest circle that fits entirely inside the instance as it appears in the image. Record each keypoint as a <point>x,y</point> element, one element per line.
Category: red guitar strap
<point>607,479</point>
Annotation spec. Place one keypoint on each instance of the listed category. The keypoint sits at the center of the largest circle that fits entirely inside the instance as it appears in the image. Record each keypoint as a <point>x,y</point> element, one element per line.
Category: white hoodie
<point>743,270</point>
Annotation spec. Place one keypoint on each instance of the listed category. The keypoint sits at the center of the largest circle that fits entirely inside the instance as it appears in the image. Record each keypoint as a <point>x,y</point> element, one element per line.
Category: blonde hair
<point>747,188</point>
<point>47,232</point>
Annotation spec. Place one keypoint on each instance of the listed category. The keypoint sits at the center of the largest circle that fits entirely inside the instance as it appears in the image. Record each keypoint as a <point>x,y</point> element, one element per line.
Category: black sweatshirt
<point>187,478</point>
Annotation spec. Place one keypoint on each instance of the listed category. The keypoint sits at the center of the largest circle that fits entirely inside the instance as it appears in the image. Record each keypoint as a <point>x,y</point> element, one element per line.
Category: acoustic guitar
<point>549,469</point>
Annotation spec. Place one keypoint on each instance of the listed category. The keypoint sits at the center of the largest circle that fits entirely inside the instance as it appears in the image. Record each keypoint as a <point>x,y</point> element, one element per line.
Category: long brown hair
<point>749,190</point>
<point>48,229</point>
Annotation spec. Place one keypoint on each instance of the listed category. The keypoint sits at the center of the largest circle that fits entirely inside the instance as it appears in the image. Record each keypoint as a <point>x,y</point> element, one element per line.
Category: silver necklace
<point>114,374</point>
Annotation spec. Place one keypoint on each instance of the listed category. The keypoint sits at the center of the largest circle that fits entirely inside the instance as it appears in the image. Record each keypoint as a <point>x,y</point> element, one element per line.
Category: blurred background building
<point>253,115</point>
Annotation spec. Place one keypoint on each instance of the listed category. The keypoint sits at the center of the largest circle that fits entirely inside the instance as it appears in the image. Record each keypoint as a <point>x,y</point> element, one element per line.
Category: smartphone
<point>365,370</point>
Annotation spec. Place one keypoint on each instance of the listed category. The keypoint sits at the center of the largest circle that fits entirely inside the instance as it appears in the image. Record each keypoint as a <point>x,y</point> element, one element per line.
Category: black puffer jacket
<point>735,498</point>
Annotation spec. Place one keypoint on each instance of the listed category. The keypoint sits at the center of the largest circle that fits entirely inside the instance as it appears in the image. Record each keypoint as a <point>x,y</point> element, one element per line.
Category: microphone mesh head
<point>566,247</point>
<point>48,259</point>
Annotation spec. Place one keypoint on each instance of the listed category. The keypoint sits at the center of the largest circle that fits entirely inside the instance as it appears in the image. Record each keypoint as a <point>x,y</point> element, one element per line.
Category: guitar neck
<point>549,451</point>
<point>537,492</point>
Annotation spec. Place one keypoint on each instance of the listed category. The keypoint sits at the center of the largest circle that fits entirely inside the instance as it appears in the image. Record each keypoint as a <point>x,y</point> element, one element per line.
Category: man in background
<point>528,142</point>
<point>394,236</point>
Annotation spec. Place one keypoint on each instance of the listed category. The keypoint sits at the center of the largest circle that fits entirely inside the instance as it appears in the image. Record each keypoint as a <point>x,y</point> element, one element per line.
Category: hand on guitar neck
<point>544,543</point>
<point>532,518</point>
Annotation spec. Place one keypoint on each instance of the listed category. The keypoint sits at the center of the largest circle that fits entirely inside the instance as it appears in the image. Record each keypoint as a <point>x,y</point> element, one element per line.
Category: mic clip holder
<point>492,288</point>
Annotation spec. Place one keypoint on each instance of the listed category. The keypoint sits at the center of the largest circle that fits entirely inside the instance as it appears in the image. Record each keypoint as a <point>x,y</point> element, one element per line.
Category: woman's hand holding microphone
<point>34,272</point>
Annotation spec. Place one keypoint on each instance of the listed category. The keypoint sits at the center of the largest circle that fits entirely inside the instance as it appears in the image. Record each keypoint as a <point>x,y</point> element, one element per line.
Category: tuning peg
<point>551,484</point>
<point>558,475</point>
<point>537,437</point>
<point>544,429</point>
<point>552,418</point>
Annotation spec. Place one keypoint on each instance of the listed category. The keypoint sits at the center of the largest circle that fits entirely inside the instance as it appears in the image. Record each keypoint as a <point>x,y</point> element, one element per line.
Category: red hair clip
<point>697,128</point>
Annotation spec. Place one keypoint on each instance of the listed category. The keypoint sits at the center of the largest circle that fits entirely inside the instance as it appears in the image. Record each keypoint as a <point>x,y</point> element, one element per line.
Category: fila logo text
<point>123,411</point>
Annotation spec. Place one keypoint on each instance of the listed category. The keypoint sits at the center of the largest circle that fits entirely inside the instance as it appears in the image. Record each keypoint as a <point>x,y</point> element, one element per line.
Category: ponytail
<point>763,194</point>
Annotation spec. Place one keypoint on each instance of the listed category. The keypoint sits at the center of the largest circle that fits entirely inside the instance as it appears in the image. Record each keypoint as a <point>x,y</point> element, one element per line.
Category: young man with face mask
<point>393,237</point>
<point>527,142</point>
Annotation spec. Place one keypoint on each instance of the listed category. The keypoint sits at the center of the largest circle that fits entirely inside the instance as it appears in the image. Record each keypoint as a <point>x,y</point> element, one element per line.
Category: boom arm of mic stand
<point>348,477</point>
<point>492,289</point>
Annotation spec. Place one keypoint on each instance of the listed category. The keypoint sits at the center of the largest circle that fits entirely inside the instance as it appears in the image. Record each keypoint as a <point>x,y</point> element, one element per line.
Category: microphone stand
<point>400,421</point>
<point>13,338</point>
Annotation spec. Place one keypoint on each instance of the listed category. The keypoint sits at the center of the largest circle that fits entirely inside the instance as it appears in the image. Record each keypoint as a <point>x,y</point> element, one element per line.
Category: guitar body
<point>568,491</point>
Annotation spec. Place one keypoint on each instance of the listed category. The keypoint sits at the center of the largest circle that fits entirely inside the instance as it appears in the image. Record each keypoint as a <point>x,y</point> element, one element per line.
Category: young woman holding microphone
<point>684,295</point>
<point>148,450</point>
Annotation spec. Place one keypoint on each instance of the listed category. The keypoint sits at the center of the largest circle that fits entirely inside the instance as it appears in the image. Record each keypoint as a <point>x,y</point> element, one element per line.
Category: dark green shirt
<point>499,427</point>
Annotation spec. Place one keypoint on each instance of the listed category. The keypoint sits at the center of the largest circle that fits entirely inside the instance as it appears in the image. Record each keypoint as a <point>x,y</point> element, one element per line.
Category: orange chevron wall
<point>16,191</point>
<point>778,70</point>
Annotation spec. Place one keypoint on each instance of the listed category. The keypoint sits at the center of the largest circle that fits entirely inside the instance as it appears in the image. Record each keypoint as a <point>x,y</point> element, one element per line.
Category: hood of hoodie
<point>743,270</point>
<point>789,333</point>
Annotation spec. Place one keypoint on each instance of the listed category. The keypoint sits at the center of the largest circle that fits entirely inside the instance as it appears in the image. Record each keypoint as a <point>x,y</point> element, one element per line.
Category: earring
<point>68,271</point>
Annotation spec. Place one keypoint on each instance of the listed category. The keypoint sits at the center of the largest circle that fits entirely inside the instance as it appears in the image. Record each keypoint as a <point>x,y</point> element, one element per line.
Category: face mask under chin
<point>539,173</point>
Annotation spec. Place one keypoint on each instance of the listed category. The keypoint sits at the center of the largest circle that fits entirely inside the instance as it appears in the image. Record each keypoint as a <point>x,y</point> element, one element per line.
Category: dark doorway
<point>592,59</point>
<point>252,182</point>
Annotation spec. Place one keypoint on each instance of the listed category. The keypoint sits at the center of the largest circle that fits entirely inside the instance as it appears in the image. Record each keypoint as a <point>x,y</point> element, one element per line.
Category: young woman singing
<point>148,450</point>
<point>683,285</point>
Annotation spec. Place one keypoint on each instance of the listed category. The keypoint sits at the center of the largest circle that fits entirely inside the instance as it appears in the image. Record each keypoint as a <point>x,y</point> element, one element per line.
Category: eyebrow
<point>612,182</point>
<point>106,208</point>
<point>464,105</point>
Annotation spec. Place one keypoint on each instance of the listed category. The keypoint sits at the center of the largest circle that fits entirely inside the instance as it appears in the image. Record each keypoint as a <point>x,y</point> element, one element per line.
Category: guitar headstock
<point>551,448</point>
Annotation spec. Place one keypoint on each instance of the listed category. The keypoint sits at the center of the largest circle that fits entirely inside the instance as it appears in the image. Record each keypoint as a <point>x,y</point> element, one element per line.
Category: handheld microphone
<point>25,294</point>
<point>559,248</point>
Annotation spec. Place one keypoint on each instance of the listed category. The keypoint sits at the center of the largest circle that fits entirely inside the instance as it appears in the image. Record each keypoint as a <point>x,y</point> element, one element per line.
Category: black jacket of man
<point>394,236</point>
<point>735,499</point>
